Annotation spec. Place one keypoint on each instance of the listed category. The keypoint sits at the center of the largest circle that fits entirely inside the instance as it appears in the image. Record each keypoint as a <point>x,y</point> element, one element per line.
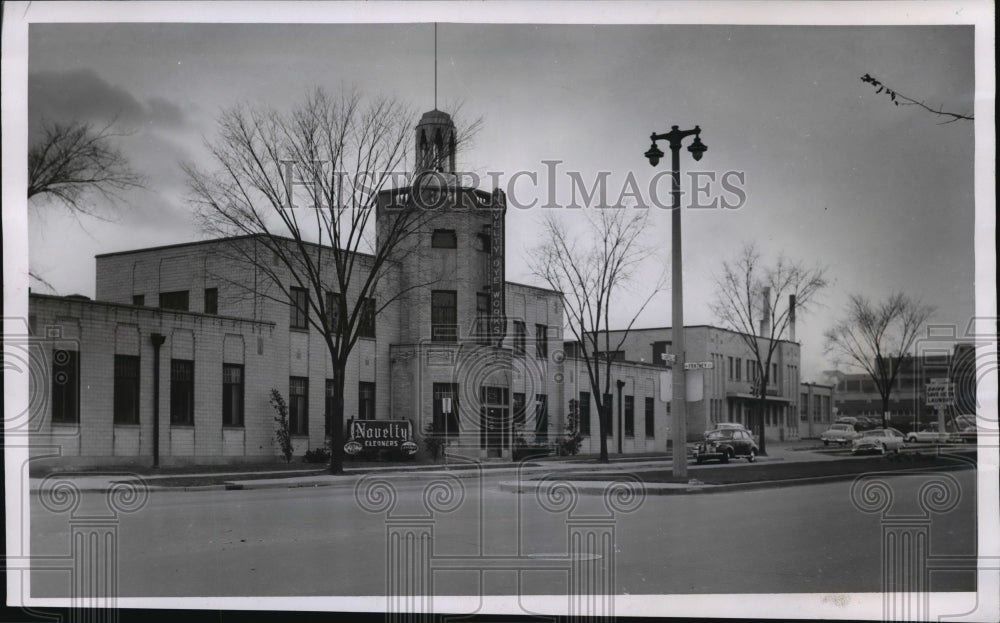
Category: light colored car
<point>846,419</point>
<point>930,434</point>
<point>839,433</point>
<point>879,440</point>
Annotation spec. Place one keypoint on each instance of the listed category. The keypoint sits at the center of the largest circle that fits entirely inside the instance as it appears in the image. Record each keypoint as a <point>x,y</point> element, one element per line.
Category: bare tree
<point>898,98</point>
<point>69,160</point>
<point>876,337</point>
<point>752,299</point>
<point>588,272</point>
<point>297,194</point>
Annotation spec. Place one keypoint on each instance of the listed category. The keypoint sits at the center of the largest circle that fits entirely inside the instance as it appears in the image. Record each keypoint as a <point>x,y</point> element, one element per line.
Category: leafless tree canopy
<point>739,305</point>
<point>876,336</point>
<point>589,270</point>
<point>303,186</point>
<point>898,98</point>
<point>71,159</point>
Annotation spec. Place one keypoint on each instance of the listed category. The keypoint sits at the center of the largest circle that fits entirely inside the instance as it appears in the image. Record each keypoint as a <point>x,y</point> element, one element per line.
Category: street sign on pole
<point>694,384</point>
<point>699,365</point>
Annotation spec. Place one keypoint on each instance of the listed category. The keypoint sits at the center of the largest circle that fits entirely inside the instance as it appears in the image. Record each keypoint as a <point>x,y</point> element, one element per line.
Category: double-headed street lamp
<point>697,148</point>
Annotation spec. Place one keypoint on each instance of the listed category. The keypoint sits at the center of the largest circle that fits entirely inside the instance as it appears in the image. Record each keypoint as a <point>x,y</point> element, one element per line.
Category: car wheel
<point>881,449</point>
<point>752,456</point>
<point>699,460</point>
<point>825,442</point>
<point>725,456</point>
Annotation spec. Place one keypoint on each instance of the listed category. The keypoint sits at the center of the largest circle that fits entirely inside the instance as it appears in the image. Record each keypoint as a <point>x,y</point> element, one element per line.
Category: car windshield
<point>841,426</point>
<point>719,434</point>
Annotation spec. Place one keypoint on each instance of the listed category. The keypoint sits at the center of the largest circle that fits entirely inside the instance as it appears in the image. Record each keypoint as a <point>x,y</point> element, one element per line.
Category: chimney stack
<point>765,321</point>
<point>791,317</point>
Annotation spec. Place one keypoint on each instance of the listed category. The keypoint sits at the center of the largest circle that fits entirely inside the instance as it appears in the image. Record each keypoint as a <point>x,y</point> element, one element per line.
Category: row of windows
<point>447,239</point>
<point>179,300</point>
<point>299,317</point>
<point>66,390</point>
<point>628,415</point>
<point>736,370</point>
<point>66,393</point>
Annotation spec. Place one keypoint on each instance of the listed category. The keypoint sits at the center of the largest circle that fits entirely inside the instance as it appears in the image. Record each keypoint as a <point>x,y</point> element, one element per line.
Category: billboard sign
<point>940,393</point>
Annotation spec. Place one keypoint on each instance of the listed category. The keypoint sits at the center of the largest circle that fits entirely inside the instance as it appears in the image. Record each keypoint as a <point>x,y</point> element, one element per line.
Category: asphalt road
<point>319,541</point>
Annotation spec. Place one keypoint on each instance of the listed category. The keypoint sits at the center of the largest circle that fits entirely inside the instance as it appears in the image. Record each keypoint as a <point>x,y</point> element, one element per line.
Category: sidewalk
<point>789,453</point>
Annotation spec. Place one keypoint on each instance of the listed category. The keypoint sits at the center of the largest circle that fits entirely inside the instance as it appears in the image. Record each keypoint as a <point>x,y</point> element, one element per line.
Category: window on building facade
<point>584,414</point>
<point>541,417</point>
<point>541,341</point>
<point>482,317</point>
<point>519,338</point>
<point>181,392</point>
<point>446,408</point>
<point>65,386</point>
<point>174,300</point>
<point>444,239</point>
<point>629,407</point>
<point>774,374</point>
<point>211,300</point>
<point>366,400</point>
<point>333,310</point>
<point>126,400</point>
<point>739,367</point>
<point>731,377</point>
<point>519,407</point>
<point>650,418</point>
<point>444,316</point>
<point>299,317</point>
<point>366,322</point>
<point>298,405</point>
<point>483,242</point>
<point>139,299</point>
<point>232,394</point>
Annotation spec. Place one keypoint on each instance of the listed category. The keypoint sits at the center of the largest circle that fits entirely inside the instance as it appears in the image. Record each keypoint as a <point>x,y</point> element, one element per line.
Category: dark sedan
<point>726,443</point>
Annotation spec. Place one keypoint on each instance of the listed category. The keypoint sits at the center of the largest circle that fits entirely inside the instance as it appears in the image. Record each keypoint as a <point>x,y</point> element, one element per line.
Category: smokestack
<point>791,317</point>
<point>765,321</point>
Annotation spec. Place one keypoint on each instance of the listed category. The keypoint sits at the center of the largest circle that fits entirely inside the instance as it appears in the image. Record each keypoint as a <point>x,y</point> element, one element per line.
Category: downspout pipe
<point>157,339</point>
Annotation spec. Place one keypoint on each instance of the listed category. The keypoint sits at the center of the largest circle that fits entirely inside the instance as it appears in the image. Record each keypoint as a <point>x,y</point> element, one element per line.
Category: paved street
<point>318,541</point>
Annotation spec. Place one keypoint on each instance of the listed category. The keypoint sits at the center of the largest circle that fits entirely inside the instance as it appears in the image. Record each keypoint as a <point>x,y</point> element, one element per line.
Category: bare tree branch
<point>876,337</point>
<point>739,305</point>
<point>898,98</point>
<point>70,160</point>
<point>588,273</point>
<point>297,194</point>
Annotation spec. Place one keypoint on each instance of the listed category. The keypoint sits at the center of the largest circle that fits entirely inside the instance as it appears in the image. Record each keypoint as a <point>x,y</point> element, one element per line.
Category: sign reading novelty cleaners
<point>364,434</point>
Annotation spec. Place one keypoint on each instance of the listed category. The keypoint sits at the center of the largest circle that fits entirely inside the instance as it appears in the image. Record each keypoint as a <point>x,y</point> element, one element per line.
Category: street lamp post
<point>675,136</point>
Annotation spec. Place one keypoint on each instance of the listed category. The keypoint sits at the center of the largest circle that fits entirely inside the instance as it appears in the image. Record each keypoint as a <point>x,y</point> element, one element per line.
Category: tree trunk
<point>337,422</point>
<point>761,410</point>
<point>885,411</point>
<point>604,411</point>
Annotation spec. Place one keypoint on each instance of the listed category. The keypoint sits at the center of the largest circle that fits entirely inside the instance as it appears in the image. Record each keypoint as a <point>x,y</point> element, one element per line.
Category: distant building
<point>816,402</point>
<point>856,393</point>
<point>729,383</point>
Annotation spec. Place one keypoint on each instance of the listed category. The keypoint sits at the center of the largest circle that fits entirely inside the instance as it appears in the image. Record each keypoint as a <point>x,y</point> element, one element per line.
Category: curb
<point>591,487</point>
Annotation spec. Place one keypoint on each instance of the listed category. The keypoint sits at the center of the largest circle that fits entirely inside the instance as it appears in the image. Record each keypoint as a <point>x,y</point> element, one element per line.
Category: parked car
<point>964,428</point>
<point>846,419</point>
<point>930,434</point>
<point>839,433</point>
<point>879,440</point>
<point>726,443</point>
<point>866,423</point>
<point>730,425</point>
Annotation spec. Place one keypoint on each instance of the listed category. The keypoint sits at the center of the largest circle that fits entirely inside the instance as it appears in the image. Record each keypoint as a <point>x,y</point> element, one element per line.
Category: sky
<point>834,175</point>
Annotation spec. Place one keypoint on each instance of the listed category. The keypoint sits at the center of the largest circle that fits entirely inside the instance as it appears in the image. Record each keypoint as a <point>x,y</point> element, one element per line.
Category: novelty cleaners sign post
<point>377,434</point>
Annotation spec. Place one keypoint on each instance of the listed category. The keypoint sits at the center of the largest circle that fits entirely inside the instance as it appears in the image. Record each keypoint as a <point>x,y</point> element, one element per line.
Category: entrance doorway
<point>494,420</point>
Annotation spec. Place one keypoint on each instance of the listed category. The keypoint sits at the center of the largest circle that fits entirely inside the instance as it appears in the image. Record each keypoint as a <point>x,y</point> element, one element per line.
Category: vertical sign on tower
<point>498,312</point>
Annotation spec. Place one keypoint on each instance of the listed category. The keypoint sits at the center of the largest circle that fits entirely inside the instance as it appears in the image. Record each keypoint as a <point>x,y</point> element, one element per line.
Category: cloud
<point>81,94</point>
